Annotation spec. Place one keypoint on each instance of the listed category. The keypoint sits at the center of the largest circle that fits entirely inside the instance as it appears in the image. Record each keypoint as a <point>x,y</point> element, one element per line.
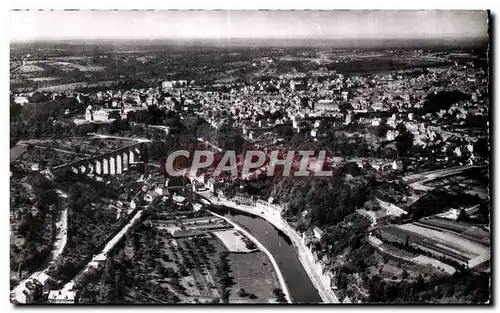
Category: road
<point>104,253</point>
<point>112,243</point>
<point>324,290</point>
<point>17,68</point>
<point>164,128</point>
<point>210,144</point>
<point>263,249</point>
<point>56,149</point>
<point>62,226</point>
<point>440,173</point>
<point>422,178</point>
<point>45,140</point>
<point>118,137</point>
<point>57,249</point>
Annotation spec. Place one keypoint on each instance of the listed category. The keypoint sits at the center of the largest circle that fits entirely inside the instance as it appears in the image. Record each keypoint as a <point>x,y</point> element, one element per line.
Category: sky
<point>34,25</point>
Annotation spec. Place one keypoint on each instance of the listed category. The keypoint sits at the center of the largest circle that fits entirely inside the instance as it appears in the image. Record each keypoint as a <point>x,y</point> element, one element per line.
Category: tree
<point>442,100</point>
<point>118,125</point>
<point>158,269</point>
<point>404,274</point>
<point>118,286</point>
<point>404,141</point>
<point>481,147</point>
<point>345,106</point>
<point>280,296</point>
<point>38,293</point>
<point>462,216</point>
<point>381,130</point>
<point>242,293</point>
<point>107,277</point>
<point>105,294</point>
<point>38,97</point>
<point>225,295</point>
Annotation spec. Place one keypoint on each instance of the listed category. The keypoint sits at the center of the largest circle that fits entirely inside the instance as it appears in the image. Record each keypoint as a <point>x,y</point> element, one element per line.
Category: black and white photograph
<point>277,157</point>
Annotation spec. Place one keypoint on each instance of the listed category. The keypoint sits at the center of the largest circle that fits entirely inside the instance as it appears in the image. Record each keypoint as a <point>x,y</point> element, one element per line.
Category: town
<point>112,202</point>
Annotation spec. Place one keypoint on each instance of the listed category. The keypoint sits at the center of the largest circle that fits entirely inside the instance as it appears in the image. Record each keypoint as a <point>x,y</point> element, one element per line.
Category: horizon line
<point>191,38</point>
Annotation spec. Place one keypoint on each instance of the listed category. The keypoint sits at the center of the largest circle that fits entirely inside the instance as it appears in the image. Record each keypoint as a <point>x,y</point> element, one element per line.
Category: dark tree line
<point>462,287</point>
<point>442,100</point>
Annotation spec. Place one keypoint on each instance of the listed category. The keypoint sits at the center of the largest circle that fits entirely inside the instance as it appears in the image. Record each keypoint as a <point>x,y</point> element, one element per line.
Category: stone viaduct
<point>112,163</point>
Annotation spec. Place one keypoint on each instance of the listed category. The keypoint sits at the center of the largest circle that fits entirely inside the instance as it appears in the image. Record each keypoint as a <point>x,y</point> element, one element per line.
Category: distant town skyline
<point>343,24</point>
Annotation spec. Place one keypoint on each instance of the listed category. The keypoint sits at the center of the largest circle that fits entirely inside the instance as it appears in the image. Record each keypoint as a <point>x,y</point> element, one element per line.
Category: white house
<point>23,292</point>
<point>397,165</point>
<point>179,200</point>
<point>21,100</point>
<point>197,207</point>
<point>317,232</point>
<point>61,296</point>
<point>166,85</point>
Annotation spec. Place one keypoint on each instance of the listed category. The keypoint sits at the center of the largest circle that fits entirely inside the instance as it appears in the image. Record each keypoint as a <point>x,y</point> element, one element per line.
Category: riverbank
<point>263,249</point>
<point>304,256</point>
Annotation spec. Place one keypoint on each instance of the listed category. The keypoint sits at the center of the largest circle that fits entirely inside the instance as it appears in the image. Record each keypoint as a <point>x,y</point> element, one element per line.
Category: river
<point>299,285</point>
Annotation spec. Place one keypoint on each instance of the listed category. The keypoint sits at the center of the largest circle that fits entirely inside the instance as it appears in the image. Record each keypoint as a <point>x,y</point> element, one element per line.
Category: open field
<point>255,274</point>
<point>439,243</point>
<point>83,145</point>
<point>422,259</point>
<point>465,230</point>
<point>398,252</point>
<point>42,79</point>
<point>170,226</point>
<point>189,268</point>
<point>63,64</point>
<point>48,157</point>
<point>73,86</point>
<point>190,227</point>
<point>72,66</point>
<point>31,68</point>
<point>233,240</point>
<point>186,268</point>
<point>446,239</point>
<point>413,263</point>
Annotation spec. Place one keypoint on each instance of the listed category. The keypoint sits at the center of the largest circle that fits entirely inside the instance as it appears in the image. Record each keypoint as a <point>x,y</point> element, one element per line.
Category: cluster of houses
<point>322,261</point>
<point>384,212</point>
<point>37,286</point>
<point>299,102</point>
